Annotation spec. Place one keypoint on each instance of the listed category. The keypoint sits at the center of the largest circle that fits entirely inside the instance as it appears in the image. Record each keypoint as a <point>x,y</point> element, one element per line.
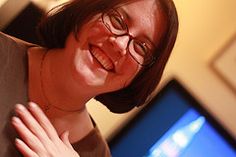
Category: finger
<point>24,149</point>
<point>65,139</point>
<point>29,138</point>
<point>43,121</point>
<point>32,124</point>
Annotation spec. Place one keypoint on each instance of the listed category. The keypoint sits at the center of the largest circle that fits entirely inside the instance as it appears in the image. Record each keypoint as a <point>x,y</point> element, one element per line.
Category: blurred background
<point>203,59</point>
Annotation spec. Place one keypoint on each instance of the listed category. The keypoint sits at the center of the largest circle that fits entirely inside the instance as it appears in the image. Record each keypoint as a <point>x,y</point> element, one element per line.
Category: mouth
<point>101,58</point>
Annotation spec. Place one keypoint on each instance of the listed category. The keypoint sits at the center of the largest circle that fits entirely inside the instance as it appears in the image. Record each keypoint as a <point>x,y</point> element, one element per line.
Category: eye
<point>117,22</point>
<point>141,48</point>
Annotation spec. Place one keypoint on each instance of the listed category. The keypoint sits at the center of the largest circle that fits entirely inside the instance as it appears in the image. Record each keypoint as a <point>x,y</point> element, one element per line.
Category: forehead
<point>144,19</point>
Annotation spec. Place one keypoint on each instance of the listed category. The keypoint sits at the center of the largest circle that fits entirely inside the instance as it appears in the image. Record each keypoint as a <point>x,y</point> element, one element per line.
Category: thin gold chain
<point>47,104</point>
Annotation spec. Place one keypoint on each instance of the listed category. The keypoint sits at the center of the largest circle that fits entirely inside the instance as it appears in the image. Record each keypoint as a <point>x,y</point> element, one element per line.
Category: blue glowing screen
<point>171,127</point>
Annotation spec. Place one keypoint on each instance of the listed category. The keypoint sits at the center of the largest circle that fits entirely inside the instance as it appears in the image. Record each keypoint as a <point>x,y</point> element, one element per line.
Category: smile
<point>102,58</point>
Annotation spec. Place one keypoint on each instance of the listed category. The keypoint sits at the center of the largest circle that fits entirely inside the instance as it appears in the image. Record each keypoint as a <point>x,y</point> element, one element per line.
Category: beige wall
<point>205,27</point>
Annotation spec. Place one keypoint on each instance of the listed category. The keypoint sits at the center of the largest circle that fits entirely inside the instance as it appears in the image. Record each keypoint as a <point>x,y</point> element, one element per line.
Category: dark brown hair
<point>55,28</point>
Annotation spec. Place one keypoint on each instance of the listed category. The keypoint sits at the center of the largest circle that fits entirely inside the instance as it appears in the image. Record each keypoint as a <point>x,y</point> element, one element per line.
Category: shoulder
<point>11,47</point>
<point>93,145</point>
<point>7,41</point>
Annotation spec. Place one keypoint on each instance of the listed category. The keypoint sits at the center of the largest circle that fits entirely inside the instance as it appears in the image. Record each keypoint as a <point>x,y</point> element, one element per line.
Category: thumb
<point>65,139</point>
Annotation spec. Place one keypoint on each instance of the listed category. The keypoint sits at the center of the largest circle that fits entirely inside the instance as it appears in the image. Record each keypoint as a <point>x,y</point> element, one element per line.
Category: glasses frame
<point>131,38</point>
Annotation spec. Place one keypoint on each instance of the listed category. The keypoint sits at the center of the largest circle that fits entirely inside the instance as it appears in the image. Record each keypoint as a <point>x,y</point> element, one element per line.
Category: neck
<point>60,105</point>
<point>51,86</point>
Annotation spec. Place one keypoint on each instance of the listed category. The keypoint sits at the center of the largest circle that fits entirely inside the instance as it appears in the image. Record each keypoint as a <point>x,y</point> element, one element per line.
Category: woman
<point>114,51</point>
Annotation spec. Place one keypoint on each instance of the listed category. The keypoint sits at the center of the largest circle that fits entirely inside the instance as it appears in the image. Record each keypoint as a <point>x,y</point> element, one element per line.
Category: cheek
<point>128,68</point>
<point>97,33</point>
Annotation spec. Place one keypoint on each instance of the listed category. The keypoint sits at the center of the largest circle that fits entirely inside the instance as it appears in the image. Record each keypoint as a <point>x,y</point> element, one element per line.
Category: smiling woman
<point>110,50</point>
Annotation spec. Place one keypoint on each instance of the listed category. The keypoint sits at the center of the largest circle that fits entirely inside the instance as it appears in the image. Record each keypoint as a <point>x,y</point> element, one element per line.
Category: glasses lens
<point>140,52</point>
<point>114,22</point>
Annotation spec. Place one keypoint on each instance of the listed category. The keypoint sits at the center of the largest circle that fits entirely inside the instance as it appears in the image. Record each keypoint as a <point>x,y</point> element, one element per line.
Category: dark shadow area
<point>24,25</point>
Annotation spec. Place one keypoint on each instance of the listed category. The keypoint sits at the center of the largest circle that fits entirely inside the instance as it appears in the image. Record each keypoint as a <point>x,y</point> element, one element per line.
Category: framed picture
<point>224,64</point>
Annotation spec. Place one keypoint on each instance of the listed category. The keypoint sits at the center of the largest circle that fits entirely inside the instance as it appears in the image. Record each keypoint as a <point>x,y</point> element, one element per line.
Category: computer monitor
<point>173,124</point>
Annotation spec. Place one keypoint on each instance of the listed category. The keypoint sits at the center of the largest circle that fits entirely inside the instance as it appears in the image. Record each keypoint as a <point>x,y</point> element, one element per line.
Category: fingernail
<point>18,141</point>
<point>32,104</point>
<point>66,133</point>
<point>20,107</point>
<point>15,119</point>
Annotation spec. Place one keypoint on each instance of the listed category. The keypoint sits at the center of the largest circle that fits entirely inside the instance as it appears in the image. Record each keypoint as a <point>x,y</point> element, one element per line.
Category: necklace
<point>47,105</point>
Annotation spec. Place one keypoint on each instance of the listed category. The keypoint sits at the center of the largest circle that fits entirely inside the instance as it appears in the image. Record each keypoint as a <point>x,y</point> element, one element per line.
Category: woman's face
<point>101,60</point>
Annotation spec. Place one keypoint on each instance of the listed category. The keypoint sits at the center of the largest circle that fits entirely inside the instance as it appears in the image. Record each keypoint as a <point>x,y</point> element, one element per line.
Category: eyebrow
<point>124,14</point>
<point>127,17</point>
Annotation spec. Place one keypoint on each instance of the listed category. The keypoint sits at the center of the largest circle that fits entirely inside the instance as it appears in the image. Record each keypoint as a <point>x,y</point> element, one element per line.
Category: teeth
<point>102,59</point>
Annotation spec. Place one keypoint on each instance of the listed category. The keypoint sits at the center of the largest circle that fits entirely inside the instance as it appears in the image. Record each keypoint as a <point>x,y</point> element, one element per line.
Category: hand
<point>38,136</point>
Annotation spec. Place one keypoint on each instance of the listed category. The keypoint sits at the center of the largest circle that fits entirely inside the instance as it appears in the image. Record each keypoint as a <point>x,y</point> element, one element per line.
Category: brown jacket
<point>14,89</point>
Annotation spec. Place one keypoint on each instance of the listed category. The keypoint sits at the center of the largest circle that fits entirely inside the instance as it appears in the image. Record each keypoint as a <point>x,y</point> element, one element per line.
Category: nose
<point>120,43</point>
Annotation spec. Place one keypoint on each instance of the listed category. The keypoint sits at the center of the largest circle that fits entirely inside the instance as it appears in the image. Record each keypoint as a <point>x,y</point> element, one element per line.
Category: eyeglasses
<point>141,51</point>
